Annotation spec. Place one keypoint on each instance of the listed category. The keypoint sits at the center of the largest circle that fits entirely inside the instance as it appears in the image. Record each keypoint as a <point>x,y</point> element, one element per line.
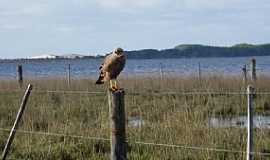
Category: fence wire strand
<point>139,142</point>
<point>184,93</point>
<point>56,134</point>
<point>145,93</point>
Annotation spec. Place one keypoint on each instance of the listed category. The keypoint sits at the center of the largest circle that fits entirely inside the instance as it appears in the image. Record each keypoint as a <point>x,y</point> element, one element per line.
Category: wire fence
<point>142,93</point>
<point>94,75</point>
<point>86,69</point>
<point>150,93</point>
<point>139,142</point>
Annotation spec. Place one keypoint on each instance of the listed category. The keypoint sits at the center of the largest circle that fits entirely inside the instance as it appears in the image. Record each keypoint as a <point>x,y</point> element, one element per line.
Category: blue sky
<point>35,27</point>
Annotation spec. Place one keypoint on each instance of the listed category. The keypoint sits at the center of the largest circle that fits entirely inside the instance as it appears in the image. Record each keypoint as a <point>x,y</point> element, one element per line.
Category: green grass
<point>168,118</point>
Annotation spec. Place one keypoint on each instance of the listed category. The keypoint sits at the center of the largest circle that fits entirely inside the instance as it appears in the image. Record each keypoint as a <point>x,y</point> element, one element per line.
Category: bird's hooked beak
<point>119,51</point>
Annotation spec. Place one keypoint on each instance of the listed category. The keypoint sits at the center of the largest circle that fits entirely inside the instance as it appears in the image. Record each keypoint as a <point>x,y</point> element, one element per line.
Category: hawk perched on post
<point>111,67</point>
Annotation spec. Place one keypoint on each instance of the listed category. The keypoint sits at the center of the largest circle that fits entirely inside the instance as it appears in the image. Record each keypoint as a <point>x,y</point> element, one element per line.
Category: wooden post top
<point>250,89</point>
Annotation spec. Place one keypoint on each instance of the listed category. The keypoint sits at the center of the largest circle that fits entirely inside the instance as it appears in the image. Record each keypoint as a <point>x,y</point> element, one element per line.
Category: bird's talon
<point>113,89</point>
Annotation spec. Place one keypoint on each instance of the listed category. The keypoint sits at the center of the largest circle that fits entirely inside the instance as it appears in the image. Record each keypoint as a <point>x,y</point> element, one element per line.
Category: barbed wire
<point>140,143</point>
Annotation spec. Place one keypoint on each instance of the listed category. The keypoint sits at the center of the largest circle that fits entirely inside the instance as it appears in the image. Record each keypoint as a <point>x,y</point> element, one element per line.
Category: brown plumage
<point>112,65</point>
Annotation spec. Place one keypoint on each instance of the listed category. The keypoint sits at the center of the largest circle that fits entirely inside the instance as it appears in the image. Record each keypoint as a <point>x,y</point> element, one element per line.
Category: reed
<point>165,118</point>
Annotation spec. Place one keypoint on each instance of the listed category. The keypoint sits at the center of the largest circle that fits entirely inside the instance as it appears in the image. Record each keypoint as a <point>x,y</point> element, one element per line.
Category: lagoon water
<point>89,67</point>
<point>258,121</point>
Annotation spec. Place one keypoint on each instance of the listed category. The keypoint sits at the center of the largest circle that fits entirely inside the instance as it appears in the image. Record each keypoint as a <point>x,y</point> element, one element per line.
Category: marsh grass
<point>168,118</point>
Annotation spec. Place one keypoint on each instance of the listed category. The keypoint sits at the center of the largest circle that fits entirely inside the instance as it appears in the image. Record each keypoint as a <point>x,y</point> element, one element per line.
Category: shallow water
<point>258,122</point>
<point>89,67</point>
<point>135,122</point>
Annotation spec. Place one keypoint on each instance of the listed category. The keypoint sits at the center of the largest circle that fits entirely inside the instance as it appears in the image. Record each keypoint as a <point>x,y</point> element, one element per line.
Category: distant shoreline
<point>179,51</point>
<point>101,58</point>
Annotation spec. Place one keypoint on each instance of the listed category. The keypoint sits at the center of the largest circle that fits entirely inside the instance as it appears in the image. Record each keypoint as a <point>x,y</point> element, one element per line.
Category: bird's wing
<point>112,66</point>
<point>103,62</point>
<point>108,63</point>
<point>117,66</point>
<point>122,62</point>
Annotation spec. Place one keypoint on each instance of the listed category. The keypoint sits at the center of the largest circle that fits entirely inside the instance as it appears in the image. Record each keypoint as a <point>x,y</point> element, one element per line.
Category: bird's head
<point>118,51</point>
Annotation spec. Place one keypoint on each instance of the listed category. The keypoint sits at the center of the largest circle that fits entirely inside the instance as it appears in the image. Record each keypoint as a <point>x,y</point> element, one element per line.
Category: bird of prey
<point>111,67</point>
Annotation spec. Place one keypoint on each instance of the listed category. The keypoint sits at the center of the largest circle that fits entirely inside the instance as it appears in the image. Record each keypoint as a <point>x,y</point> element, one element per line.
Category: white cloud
<point>11,26</point>
<point>183,5</point>
<point>73,28</point>
<point>196,4</point>
<point>84,24</point>
<point>129,3</point>
<point>35,9</point>
<point>31,9</point>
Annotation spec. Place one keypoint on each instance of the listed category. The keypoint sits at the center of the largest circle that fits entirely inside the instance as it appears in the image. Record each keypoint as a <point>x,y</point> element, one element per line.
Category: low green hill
<point>197,50</point>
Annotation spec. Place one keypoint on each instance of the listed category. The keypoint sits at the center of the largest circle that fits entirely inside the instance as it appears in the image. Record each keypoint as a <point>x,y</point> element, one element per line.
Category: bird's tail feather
<point>100,80</point>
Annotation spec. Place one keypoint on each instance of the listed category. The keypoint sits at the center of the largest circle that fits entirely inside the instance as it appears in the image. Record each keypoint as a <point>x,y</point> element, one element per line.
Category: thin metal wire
<point>159,92</point>
<point>146,93</point>
<point>201,148</point>
<point>188,93</point>
<point>54,91</point>
<point>69,92</point>
<point>139,143</point>
<point>56,134</point>
<point>190,147</point>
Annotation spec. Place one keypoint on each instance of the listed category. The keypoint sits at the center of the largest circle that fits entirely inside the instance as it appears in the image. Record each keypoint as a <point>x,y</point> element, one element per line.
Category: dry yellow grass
<point>167,118</point>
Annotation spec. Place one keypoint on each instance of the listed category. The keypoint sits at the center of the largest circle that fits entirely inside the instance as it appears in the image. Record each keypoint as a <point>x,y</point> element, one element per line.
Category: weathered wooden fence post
<point>20,75</point>
<point>117,124</point>
<point>161,71</point>
<point>16,123</point>
<point>244,69</point>
<point>250,96</point>
<point>253,70</point>
<point>68,75</point>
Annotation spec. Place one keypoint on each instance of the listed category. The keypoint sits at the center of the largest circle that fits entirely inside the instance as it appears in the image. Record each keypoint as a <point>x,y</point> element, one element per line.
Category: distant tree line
<point>190,51</point>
